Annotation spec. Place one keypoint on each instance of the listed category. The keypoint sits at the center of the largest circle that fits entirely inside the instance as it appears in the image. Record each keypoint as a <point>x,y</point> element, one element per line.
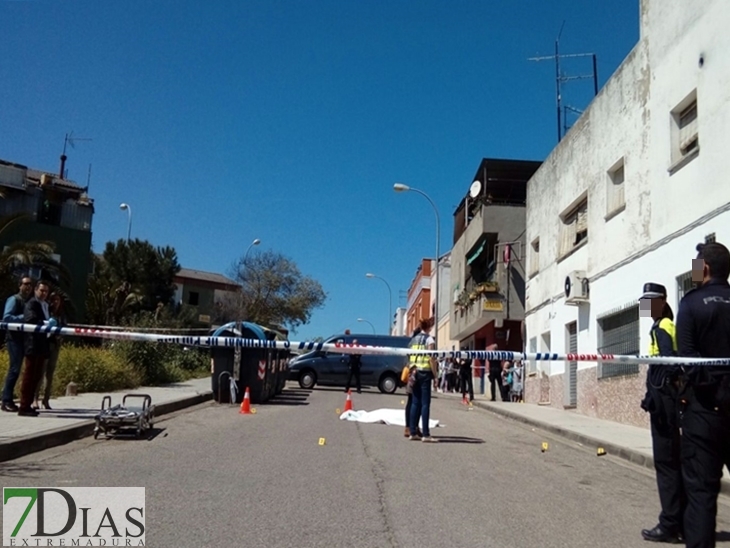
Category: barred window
<point>684,285</point>
<point>619,333</point>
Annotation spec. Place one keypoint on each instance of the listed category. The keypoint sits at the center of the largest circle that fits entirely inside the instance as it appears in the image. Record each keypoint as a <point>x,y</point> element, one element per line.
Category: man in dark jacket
<point>495,374</point>
<point>13,313</point>
<point>703,331</point>
<point>354,364</point>
<point>36,348</point>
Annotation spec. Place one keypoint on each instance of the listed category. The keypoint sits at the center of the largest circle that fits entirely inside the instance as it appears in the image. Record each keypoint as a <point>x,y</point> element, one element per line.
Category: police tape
<point>345,348</point>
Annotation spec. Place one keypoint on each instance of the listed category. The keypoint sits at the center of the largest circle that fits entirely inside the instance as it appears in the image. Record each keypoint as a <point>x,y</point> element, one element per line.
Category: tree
<point>274,292</point>
<point>131,278</point>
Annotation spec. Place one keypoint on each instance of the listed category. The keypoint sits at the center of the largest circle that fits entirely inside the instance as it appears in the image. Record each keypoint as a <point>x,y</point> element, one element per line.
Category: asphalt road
<point>215,478</point>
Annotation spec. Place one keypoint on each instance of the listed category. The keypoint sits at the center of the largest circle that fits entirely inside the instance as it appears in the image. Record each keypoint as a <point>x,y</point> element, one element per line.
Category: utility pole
<point>559,79</point>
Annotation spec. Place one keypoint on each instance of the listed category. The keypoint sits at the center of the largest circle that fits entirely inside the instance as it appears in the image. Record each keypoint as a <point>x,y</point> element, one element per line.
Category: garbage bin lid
<point>230,327</point>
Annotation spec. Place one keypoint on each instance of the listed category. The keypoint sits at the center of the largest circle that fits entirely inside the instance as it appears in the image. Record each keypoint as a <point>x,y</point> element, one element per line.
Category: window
<point>535,256</point>
<point>532,364</point>
<point>574,229</point>
<point>684,285</point>
<point>684,132</point>
<point>615,201</point>
<point>193,298</point>
<point>618,333</point>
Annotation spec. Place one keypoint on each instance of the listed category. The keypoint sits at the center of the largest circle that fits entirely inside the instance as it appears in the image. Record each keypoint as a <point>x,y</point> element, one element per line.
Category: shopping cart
<point>121,419</point>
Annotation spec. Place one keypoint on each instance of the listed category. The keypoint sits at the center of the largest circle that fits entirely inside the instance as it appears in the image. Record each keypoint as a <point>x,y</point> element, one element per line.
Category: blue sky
<point>224,121</point>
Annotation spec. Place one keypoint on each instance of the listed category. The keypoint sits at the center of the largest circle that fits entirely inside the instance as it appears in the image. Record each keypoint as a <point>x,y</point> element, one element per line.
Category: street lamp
<point>255,242</point>
<point>245,256</point>
<point>124,206</point>
<point>364,320</point>
<point>390,297</point>
<point>400,187</point>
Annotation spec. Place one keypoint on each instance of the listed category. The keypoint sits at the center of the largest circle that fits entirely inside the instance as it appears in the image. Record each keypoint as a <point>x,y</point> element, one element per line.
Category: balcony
<point>476,307</point>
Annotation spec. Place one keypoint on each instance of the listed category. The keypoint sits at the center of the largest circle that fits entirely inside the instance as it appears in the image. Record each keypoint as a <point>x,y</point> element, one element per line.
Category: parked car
<point>329,368</point>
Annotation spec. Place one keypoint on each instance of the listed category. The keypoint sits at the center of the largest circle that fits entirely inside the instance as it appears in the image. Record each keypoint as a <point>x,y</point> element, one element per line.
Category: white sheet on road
<point>384,416</point>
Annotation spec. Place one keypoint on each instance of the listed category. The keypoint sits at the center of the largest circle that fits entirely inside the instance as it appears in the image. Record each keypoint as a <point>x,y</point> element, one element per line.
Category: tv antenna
<point>69,140</point>
<point>559,79</point>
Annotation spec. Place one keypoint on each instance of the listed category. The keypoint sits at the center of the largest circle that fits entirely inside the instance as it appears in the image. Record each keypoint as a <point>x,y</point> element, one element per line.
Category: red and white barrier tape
<point>232,342</point>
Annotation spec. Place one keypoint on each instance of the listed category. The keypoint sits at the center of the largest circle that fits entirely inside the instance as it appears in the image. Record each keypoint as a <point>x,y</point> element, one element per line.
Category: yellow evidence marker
<point>321,441</point>
<point>544,446</point>
<point>338,411</point>
<point>253,411</point>
<point>600,451</point>
<point>402,402</point>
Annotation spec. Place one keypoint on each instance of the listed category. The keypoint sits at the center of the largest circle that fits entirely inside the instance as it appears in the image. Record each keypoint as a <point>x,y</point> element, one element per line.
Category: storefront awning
<point>478,251</point>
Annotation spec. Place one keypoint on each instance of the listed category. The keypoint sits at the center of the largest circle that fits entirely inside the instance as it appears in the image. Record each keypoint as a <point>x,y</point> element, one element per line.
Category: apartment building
<point>47,208</point>
<point>487,261</point>
<point>639,180</point>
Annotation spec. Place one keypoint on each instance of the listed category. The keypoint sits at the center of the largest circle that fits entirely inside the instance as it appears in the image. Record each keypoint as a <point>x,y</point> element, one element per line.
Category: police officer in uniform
<point>703,330</point>
<point>661,402</point>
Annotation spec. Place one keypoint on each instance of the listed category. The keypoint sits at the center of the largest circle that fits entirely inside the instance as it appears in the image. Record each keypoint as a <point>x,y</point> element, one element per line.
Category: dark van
<point>331,368</point>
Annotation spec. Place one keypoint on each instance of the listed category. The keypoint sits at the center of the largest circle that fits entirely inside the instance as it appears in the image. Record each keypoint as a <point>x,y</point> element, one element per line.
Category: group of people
<point>36,354</point>
<point>689,405</point>
<point>505,378</point>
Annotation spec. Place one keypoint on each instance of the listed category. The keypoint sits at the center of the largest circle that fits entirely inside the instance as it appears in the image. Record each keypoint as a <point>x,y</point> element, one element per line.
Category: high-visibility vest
<point>667,325</point>
<point>420,361</point>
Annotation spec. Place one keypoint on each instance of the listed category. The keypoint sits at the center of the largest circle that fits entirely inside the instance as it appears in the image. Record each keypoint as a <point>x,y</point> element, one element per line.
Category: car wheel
<point>388,384</point>
<point>307,379</point>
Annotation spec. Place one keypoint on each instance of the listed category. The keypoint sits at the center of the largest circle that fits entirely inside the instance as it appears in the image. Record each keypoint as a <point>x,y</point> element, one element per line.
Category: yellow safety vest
<point>667,325</point>
<point>420,361</point>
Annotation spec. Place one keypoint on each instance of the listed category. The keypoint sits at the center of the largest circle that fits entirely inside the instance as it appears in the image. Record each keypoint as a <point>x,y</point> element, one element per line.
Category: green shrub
<point>120,365</point>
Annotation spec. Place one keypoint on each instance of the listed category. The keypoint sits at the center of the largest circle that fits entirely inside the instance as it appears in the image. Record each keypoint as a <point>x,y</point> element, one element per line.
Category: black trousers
<point>354,371</point>
<point>705,448</point>
<point>467,384</point>
<point>495,376</point>
<point>666,445</point>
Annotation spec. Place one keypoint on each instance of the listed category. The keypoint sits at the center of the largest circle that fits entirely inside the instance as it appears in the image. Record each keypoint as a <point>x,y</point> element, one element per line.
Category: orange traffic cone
<point>246,404</point>
<point>348,402</point>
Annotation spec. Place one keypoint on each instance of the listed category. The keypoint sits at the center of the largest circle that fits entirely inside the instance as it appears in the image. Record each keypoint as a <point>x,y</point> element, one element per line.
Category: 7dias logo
<point>76,516</point>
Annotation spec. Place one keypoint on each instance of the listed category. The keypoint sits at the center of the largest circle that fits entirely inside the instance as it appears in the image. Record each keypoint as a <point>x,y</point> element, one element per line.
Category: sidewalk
<point>72,417</point>
<point>628,442</point>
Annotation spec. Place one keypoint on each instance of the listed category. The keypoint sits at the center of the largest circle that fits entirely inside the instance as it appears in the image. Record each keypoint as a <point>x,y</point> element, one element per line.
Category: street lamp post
<point>255,242</point>
<point>124,206</point>
<point>390,298</point>
<point>245,256</point>
<point>364,320</point>
<point>399,187</point>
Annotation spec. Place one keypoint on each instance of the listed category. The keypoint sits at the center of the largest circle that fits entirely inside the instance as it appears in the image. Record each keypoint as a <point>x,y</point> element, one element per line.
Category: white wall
<point>666,214</point>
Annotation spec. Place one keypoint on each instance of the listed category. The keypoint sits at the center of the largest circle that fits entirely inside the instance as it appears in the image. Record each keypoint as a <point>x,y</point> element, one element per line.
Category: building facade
<point>49,209</point>
<point>487,287</point>
<point>623,199</point>
<point>204,291</point>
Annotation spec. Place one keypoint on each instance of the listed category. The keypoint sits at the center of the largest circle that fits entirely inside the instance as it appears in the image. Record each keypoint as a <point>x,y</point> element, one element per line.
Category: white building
<point>642,177</point>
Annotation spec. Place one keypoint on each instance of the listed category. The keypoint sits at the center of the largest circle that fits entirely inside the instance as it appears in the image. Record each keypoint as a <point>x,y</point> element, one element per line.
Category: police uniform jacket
<point>703,328</point>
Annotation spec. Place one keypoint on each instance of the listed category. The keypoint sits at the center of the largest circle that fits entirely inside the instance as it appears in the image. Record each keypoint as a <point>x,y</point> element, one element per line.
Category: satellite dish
<point>475,189</point>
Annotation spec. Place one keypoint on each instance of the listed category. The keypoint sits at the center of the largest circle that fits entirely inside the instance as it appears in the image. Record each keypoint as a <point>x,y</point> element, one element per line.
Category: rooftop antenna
<point>69,140</point>
<point>559,79</point>
<point>88,179</point>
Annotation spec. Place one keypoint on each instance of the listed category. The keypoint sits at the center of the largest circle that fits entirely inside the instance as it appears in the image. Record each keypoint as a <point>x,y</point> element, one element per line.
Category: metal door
<point>570,392</point>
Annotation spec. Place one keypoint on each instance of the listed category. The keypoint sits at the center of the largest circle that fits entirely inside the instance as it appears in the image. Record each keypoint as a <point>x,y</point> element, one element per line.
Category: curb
<point>624,453</point>
<point>27,445</point>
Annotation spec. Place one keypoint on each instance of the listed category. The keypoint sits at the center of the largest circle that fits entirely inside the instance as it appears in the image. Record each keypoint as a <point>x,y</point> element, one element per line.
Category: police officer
<point>661,402</point>
<point>703,330</point>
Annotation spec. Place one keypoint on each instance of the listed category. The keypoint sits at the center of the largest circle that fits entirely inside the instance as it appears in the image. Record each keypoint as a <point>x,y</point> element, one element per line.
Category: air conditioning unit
<point>576,288</point>
<point>46,179</point>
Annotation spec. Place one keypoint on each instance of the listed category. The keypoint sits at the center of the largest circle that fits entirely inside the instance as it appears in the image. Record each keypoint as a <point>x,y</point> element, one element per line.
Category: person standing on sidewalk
<point>703,331</point>
<point>56,309</point>
<point>661,402</point>
<point>426,374</point>
<point>36,348</point>
<point>465,375</point>
<point>495,374</point>
<point>13,313</point>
